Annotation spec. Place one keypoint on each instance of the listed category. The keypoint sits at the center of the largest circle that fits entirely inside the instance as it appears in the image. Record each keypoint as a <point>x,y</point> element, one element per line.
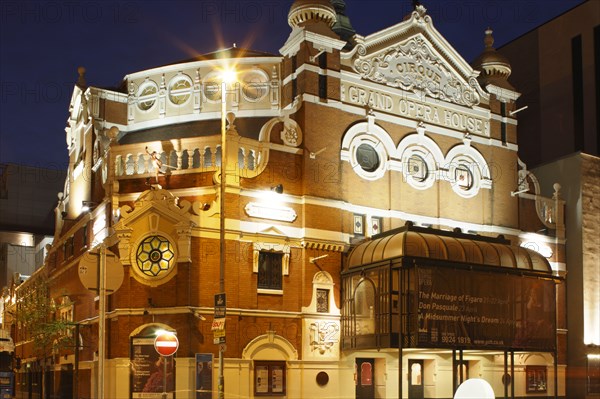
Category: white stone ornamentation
<point>324,335</point>
<point>414,66</point>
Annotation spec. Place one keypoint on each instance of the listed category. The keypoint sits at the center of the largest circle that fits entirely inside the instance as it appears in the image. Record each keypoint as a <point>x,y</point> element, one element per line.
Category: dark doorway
<point>65,383</point>
<point>365,378</point>
<point>49,384</point>
<point>415,379</point>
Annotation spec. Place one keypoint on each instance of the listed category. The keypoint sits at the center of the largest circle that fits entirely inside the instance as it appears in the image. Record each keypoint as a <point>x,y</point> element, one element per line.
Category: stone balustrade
<point>188,155</point>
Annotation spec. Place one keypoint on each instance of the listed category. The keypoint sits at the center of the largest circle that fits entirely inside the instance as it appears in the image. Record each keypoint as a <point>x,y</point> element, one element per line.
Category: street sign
<point>218,324</point>
<point>88,271</point>
<point>220,305</point>
<point>218,329</point>
<point>166,344</point>
<point>219,334</point>
<point>219,340</point>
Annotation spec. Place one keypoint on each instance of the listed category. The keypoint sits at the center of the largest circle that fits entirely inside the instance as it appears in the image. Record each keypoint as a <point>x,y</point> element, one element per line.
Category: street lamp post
<point>226,77</point>
<point>101,317</point>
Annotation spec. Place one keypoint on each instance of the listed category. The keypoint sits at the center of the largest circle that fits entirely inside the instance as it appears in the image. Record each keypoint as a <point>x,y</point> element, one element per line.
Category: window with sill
<point>271,262</point>
<point>269,270</point>
<point>269,378</point>
<point>322,300</point>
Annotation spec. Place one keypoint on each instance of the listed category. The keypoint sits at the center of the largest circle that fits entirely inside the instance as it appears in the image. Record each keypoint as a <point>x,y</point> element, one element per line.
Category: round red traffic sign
<point>166,344</point>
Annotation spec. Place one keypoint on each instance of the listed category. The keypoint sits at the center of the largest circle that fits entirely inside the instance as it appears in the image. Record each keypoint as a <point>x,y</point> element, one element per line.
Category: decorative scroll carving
<point>413,66</point>
<point>324,335</point>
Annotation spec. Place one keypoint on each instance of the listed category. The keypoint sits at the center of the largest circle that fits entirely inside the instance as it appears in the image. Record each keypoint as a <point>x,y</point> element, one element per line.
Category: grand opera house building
<point>373,233</point>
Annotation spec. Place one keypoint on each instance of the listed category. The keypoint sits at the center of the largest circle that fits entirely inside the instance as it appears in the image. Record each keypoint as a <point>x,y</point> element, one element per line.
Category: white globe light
<point>475,388</point>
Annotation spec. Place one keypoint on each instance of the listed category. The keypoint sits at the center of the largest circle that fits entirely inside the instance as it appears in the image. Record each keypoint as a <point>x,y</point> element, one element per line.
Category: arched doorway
<point>270,354</point>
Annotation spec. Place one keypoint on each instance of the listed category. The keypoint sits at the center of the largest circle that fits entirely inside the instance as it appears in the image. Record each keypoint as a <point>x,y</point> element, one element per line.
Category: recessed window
<point>417,168</point>
<point>68,247</point>
<point>537,380</point>
<point>212,90</point>
<point>85,234</point>
<point>367,157</point>
<point>270,270</point>
<point>322,300</point>
<point>255,85</point>
<point>155,256</point>
<point>147,95</point>
<point>359,225</point>
<point>180,90</point>
<point>269,378</point>
<point>463,177</point>
<point>375,225</point>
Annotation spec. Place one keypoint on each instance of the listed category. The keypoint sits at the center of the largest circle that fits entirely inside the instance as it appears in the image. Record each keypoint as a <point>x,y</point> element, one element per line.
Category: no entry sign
<point>166,344</point>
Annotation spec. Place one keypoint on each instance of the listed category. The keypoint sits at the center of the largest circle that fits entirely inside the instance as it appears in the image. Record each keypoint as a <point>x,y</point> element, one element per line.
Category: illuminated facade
<point>378,226</point>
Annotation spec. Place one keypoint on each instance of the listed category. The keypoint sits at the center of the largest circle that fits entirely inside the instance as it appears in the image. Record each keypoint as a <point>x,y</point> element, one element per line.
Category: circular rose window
<point>155,256</point>
<point>367,157</point>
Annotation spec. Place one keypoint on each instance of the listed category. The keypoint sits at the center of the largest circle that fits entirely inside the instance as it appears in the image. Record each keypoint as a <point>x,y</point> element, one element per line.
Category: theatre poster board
<point>484,310</point>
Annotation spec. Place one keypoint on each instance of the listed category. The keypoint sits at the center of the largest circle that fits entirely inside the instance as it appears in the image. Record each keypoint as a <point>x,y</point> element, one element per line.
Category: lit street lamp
<point>227,76</point>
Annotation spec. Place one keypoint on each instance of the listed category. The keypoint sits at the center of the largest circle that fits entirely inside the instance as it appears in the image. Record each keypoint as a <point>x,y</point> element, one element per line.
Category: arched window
<point>364,307</point>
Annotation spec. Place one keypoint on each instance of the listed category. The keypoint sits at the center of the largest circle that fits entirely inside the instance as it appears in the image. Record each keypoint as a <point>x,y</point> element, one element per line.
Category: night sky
<point>43,43</point>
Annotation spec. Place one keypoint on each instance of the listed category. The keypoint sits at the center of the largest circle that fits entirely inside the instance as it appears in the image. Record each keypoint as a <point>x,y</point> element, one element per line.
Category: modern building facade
<point>27,201</point>
<point>360,201</point>
<point>557,68</point>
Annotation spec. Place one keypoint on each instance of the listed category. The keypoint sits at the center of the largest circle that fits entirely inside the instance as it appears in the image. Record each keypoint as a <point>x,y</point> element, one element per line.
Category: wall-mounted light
<point>198,315</point>
<point>87,206</point>
<point>315,259</point>
<point>278,189</point>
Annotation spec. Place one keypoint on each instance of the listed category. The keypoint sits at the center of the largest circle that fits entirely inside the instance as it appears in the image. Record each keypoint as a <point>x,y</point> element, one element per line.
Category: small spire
<point>489,39</point>
<point>81,80</point>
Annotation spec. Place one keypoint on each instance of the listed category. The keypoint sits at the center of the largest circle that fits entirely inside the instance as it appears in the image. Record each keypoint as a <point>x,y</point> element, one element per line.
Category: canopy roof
<point>443,245</point>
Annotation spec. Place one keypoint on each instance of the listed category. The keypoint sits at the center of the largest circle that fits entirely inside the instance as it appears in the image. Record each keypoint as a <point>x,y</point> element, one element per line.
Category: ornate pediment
<point>414,57</point>
<point>156,212</point>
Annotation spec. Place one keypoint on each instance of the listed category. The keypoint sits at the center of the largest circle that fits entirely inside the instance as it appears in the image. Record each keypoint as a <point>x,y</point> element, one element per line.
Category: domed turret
<point>307,12</point>
<point>493,65</point>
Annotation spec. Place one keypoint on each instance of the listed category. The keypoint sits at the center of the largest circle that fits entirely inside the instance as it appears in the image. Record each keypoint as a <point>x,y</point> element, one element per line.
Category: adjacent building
<point>557,68</point>
<point>348,218</point>
<point>27,201</point>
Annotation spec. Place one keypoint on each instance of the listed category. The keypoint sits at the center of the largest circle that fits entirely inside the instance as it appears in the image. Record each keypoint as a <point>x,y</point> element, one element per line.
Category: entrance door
<point>365,383</point>
<point>65,384</point>
<point>415,379</point>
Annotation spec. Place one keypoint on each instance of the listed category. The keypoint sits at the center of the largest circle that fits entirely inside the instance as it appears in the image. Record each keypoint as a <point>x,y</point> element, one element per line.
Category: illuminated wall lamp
<point>87,206</point>
<point>278,189</point>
